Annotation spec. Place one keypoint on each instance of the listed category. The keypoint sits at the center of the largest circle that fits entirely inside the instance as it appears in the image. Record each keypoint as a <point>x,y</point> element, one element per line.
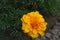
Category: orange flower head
<point>33,24</point>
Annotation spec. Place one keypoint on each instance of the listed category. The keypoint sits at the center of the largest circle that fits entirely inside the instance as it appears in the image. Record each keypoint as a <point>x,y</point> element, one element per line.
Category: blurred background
<point>12,10</point>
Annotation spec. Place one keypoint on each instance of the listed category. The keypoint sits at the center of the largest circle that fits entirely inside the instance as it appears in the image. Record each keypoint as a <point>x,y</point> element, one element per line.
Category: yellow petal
<point>41,33</point>
<point>25,19</point>
<point>33,35</point>
<point>41,20</point>
<point>34,31</point>
<point>26,28</point>
<point>40,28</point>
<point>26,31</point>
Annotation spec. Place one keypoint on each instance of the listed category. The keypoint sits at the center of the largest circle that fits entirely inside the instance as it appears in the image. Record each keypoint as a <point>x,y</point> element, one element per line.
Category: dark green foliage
<point>12,10</point>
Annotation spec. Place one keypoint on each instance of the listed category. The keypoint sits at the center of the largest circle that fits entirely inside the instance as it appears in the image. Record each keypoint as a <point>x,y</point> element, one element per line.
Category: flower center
<point>34,23</point>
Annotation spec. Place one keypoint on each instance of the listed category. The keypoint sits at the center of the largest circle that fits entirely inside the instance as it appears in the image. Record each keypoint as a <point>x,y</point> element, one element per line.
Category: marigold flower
<point>33,24</point>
